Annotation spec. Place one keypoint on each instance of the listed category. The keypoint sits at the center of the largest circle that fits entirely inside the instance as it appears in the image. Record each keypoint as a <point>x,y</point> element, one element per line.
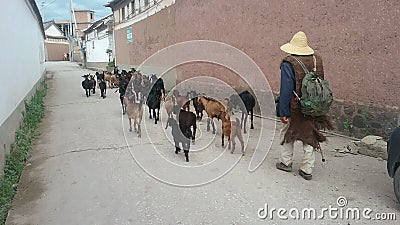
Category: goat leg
<point>223,140</point>
<point>187,155</point>
<point>194,132</point>
<point>155,116</point>
<point>241,122</point>
<point>134,126</point>
<point>233,144</point>
<point>121,99</point>
<point>241,142</point>
<point>186,146</point>
<point>150,113</point>
<point>245,123</point>
<point>213,126</point>
<point>177,148</point>
<point>130,124</point>
<point>251,126</point>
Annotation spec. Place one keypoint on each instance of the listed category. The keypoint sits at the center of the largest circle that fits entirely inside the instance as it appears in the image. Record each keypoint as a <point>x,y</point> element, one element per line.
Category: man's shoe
<point>283,167</point>
<point>306,176</point>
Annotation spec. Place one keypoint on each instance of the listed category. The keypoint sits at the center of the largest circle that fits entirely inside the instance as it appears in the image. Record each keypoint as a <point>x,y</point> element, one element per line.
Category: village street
<point>82,170</point>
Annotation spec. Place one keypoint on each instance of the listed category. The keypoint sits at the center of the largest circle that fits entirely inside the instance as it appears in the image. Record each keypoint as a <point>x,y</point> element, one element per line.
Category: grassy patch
<point>15,161</point>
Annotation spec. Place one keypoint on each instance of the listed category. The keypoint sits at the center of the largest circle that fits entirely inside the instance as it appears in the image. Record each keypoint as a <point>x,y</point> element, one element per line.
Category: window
<point>146,3</point>
<point>123,13</point>
<point>91,16</point>
<point>92,44</point>
<point>133,7</point>
<point>127,10</point>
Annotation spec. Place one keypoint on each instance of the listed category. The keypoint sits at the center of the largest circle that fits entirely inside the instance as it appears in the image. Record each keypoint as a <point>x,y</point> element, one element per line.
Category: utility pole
<point>73,31</point>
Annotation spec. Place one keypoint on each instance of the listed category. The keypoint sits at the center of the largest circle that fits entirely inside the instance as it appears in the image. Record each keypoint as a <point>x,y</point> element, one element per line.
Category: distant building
<point>98,42</point>
<point>84,19</point>
<point>64,26</point>
<point>56,42</point>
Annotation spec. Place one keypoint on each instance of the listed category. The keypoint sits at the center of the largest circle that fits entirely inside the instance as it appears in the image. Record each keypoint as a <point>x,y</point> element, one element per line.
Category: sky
<point>59,9</point>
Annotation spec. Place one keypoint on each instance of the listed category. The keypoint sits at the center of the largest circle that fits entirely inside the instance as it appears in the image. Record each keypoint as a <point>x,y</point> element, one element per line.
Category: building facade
<point>98,43</point>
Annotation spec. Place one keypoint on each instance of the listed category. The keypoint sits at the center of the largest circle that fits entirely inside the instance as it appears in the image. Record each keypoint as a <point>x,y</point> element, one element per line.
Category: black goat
<point>186,121</point>
<point>92,83</point>
<point>103,88</point>
<point>247,107</point>
<point>180,136</point>
<point>99,76</point>
<point>141,84</point>
<point>86,84</point>
<point>198,106</point>
<point>153,99</point>
<point>123,85</point>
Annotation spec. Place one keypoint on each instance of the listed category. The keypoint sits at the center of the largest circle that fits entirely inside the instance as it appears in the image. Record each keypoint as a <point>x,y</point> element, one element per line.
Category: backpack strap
<point>303,66</point>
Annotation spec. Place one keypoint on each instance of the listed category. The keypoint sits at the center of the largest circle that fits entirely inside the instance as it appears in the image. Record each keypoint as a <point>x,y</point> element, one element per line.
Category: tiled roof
<point>114,3</point>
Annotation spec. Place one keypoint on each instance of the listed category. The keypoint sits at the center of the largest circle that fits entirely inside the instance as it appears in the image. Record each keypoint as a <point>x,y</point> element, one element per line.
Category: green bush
<point>15,161</point>
<point>112,63</point>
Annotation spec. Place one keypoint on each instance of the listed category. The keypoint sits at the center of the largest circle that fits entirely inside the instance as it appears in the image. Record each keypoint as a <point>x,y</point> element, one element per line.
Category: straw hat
<point>298,45</point>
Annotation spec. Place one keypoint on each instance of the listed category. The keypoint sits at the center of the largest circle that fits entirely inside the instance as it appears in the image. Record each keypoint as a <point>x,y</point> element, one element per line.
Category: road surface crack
<point>87,150</point>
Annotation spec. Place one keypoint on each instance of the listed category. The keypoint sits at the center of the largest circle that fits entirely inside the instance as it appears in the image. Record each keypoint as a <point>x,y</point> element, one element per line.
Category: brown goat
<point>135,112</point>
<point>182,101</point>
<point>216,109</point>
<point>112,80</point>
<point>236,131</point>
<point>226,128</point>
<point>169,105</point>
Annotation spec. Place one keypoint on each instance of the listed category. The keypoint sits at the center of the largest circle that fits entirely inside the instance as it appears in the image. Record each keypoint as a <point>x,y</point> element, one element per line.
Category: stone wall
<point>359,120</point>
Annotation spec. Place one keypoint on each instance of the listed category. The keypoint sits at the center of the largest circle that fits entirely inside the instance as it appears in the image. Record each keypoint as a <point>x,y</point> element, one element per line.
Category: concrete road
<point>82,170</point>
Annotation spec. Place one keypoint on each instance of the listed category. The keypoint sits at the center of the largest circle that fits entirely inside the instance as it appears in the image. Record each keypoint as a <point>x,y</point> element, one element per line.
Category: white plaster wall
<point>98,53</point>
<point>53,31</point>
<point>90,36</point>
<point>21,57</point>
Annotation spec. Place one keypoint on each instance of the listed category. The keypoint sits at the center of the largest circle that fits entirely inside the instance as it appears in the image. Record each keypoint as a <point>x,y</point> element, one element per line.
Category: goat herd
<point>135,89</point>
